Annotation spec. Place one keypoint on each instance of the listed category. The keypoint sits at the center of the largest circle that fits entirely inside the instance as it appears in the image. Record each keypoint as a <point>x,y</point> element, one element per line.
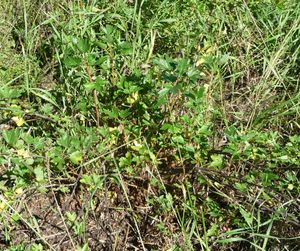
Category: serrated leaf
<point>83,45</point>
<point>72,61</point>
<point>162,64</point>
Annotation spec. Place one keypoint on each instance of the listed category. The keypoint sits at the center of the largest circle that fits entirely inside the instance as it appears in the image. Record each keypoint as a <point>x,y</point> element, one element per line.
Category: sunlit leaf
<point>76,157</point>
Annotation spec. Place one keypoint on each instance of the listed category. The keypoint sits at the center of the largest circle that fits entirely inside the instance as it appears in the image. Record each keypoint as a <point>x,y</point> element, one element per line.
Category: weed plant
<point>149,125</point>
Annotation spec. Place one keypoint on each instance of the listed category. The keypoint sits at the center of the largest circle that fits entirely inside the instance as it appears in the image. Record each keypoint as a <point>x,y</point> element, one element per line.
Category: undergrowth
<point>149,125</point>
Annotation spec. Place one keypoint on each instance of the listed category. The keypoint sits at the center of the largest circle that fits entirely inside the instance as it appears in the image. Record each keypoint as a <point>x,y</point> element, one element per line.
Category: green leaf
<point>84,248</point>
<point>229,240</point>
<point>194,74</point>
<point>72,61</point>
<point>15,217</point>
<point>45,95</point>
<point>11,136</point>
<point>101,45</point>
<point>113,113</point>
<point>241,186</point>
<point>162,64</point>
<point>89,86</point>
<point>83,45</point>
<point>224,59</point>
<point>76,157</point>
<point>178,139</point>
<point>39,173</point>
<point>124,113</point>
<point>166,126</point>
<point>126,48</point>
<point>164,91</point>
<point>168,20</point>
<point>87,180</point>
<point>71,216</point>
<point>91,59</point>
<point>268,178</point>
<point>182,66</point>
<point>10,92</point>
<point>217,160</point>
<point>100,84</point>
<point>200,93</point>
<point>213,230</point>
<point>190,148</point>
<point>247,216</point>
